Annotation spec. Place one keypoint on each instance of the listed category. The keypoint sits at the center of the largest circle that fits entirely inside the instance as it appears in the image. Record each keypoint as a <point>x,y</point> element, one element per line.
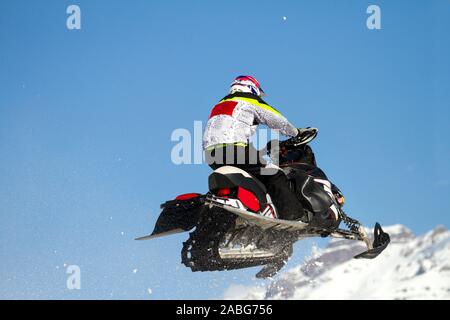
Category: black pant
<point>277,184</point>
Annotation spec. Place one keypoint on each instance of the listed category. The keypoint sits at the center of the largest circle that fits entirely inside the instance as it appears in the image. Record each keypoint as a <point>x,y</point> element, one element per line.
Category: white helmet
<point>246,84</point>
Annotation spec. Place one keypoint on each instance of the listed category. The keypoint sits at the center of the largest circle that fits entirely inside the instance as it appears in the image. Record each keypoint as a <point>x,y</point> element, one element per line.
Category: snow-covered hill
<point>410,268</point>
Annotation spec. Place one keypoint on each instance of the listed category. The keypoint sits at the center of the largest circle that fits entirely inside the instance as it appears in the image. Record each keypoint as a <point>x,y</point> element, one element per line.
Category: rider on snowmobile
<point>218,241</point>
<point>226,140</point>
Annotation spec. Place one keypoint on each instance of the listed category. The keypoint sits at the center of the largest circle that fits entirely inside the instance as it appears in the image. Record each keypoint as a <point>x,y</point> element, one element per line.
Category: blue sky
<point>86,118</point>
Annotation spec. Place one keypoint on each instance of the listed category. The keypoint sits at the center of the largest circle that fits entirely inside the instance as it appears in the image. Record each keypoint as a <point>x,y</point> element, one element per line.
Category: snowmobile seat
<point>233,177</point>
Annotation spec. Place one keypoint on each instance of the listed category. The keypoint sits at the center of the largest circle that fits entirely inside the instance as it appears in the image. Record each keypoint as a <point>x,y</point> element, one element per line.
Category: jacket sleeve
<point>269,116</point>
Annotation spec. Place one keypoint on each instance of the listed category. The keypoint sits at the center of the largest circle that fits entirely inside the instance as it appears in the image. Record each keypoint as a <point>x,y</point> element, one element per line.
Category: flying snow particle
<point>149,290</point>
<point>135,270</point>
<point>122,233</point>
<point>284,18</point>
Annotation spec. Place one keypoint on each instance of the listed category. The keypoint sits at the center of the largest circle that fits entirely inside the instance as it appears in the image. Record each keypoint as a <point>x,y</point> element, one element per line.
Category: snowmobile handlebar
<point>305,135</point>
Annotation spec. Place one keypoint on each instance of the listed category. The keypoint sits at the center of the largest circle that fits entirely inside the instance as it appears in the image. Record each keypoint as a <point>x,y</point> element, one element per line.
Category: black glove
<point>304,136</point>
<point>306,131</point>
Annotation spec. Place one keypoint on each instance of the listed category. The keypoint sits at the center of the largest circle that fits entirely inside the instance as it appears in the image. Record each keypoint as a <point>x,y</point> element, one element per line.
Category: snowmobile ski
<point>380,242</point>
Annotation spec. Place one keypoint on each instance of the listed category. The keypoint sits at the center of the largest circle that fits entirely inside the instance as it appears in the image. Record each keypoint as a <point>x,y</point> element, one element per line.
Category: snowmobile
<point>235,225</point>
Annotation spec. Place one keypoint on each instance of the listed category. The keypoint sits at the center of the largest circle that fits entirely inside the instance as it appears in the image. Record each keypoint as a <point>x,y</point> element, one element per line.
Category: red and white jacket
<point>235,118</point>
